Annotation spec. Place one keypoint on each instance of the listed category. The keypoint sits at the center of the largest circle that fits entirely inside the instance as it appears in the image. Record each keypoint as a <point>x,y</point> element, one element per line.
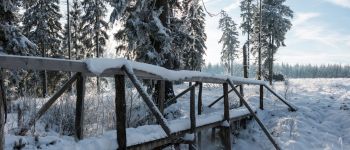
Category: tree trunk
<point>245,65</point>
<point>170,61</point>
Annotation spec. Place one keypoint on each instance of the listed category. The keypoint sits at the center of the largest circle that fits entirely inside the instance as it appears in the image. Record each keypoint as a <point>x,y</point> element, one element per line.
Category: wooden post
<point>262,126</point>
<point>192,113</point>
<point>242,93</point>
<point>261,97</point>
<point>226,103</point>
<point>226,126</point>
<point>200,107</point>
<point>120,111</point>
<point>147,99</point>
<point>161,96</point>
<point>79,110</point>
<point>2,112</point>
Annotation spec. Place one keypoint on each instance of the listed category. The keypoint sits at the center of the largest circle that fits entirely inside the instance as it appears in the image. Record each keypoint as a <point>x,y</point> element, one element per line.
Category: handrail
<point>267,133</point>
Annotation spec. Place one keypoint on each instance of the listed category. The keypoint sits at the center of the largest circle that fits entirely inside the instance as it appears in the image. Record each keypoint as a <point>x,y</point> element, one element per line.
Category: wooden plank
<point>39,63</point>
<point>48,104</point>
<point>226,102</point>
<point>2,112</point>
<point>161,120</point>
<point>291,108</point>
<point>262,126</point>
<point>79,110</point>
<point>161,96</point>
<point>120,110</point>
<point>176,135</point>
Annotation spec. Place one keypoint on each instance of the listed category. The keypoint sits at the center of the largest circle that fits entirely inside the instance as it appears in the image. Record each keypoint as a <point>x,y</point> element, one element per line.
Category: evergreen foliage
<point>94,27</point>
<point>229,40</point>
<point>193,46</point>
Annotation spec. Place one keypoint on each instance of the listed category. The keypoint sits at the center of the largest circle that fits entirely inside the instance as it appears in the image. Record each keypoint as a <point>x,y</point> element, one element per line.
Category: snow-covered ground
<point>321,122</point>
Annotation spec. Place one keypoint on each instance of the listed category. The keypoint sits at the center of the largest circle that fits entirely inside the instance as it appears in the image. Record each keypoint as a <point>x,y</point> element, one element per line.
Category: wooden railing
<point>81,72</point>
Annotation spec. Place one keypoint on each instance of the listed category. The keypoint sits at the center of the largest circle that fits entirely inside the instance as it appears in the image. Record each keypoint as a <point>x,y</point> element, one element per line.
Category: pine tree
<point>193,47</point>
<point>42,26</point>
<point>229,41</point>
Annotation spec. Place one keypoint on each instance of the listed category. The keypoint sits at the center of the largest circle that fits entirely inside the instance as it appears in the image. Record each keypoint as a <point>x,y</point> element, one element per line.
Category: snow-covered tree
<point>276,22</point>
<point>42,26</point>
<point>193,46</point>
<point>13,42</point>
<point>94,27</point>
<point>229,41</point>
<point>247,13</point>
<point>77,36</point>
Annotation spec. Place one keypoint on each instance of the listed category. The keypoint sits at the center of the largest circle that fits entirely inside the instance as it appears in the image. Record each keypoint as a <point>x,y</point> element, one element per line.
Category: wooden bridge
<point>170,132</point>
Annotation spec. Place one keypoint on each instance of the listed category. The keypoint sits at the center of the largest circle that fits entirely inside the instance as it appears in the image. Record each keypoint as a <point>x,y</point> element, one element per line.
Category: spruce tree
<point>276,22</point>
<point>229,41</point>
<point>42,26</point>
<point>193,47</point>
<point>77,36</point>
<point>13,42</point>
<point>247,7</point>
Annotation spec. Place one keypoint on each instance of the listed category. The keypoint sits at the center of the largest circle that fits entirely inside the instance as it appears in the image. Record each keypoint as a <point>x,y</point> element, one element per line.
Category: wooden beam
<point>48,104</point>
<point>193,109</point>
<point>221,97</point>
<point>176,135</point>
<point>226,102</point>
<point>291,108</point>
<point>199,109</point>
<point>242,93</point>
<point>39,63</point>
<point>183,92</point>
<point>2,112</point>
<point>120,111</point>
<point>262,126</point>
<point>261,92</point>
<point>79,110</point>
<point>155,111</point>
<point>161,96</point>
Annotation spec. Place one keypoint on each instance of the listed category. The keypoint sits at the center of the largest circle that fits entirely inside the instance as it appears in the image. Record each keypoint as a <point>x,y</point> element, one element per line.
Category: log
<point>261,92</point>
<point>120,111</point>
<point>48,104</point>
<point>159,117</point>
<point>79,110</point>
<point>262,126</point>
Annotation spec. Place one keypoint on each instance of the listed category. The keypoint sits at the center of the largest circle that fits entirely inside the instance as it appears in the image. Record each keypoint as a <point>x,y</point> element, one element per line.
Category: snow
<point>321,122</point>
<point>99,65</point>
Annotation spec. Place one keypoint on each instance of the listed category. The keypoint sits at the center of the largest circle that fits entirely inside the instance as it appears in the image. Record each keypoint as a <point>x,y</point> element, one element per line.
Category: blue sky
<point>320,32</point>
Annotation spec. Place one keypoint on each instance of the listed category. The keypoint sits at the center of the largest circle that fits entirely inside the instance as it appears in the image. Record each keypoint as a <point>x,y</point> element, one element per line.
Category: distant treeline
<point>290,71</point>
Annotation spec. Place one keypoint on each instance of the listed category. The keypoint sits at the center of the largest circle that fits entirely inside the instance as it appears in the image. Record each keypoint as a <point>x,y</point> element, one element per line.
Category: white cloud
<point>301,18</point>
<point>234,5</point>
<point>343,3</point>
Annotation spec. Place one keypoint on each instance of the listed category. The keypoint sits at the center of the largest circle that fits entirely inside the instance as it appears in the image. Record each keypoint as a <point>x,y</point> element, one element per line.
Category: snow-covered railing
<point>119,68</point>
